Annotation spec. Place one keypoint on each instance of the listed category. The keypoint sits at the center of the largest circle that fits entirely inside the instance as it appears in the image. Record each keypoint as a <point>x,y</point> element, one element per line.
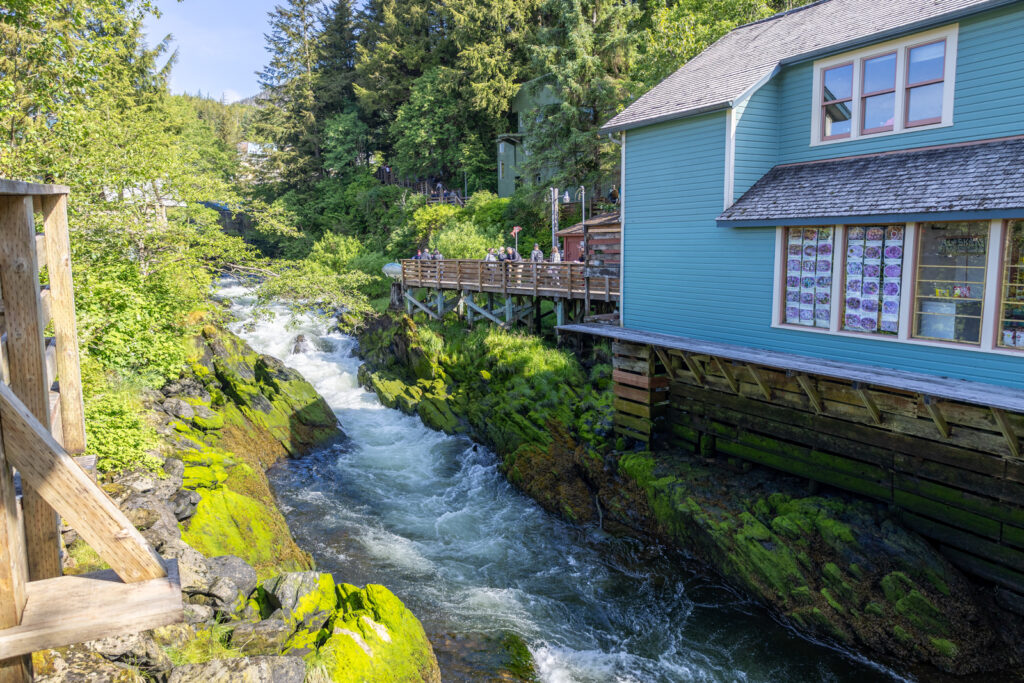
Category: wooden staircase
<point>41,427</point>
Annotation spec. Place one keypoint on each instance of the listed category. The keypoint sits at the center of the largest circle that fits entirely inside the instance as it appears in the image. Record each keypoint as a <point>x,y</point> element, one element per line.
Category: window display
<point>1011,320</point>
<point>951,264</point>
<point>874,273</point>
<point>809,276</point>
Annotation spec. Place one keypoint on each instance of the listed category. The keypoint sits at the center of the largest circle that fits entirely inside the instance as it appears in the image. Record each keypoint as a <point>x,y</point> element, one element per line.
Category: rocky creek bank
<point>837,569</point>
<point>256,609</point>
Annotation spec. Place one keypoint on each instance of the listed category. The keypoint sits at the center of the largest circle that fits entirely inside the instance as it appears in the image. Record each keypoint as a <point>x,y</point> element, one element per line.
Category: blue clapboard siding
<point>757,138</point>
<point>683,275</point>
<point>988,101</point>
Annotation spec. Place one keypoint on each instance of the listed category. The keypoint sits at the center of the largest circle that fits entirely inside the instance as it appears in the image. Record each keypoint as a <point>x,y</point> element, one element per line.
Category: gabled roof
<point>748,55</point>
<point>941,183</point>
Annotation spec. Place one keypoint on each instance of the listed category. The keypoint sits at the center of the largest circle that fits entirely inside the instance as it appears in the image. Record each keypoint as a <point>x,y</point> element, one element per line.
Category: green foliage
<point>116,431</point>
<point>424,223</point>
<point>209,642</point>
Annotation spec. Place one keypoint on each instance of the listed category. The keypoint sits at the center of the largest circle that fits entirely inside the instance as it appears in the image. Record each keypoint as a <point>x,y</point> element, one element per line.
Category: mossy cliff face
<point>834,568</point>
<point>236,414</point>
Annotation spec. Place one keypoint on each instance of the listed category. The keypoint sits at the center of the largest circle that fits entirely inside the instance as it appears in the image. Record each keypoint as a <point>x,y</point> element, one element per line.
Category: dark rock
<point>142,518</point>
<point>183,504</point>
<point>151,398</point>
<point>178,408</point>
<point>243,670</point>
<point>266,637</point>
<point>174,467</point>
<point>236,569</point>
<point>195,575</point>
<point>224,595</point>
<point>302,345</point>
<point>259,402</point>
<point>78,664</point>
<point>137,649</point>
<point>198,614</point>
<point>307,599</point>
<point>189,387</point>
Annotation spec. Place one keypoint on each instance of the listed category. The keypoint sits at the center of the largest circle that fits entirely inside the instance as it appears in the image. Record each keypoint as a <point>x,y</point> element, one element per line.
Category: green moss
<point>895,585</point>
<point>874,609</point>
<point>901,635</point>
<point>520,661</point>
<point>374,637</point>
<point>832,602</point>
<point>208,643</point>
<point>946,648</point>
<point>922,613</point>
<point>86,559</point>
<point>229,523</point>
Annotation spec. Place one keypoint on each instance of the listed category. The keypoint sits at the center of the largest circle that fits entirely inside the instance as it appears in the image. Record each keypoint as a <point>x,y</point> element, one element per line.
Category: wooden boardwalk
<point>508,278</point>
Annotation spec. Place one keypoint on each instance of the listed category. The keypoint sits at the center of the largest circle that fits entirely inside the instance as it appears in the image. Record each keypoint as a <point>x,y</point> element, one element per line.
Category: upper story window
<point>888,88</point>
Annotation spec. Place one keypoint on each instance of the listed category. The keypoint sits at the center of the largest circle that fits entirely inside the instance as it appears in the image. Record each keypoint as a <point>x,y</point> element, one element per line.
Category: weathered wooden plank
<point>960,499</point>
<point>986,570</point>
<point>966,541</point>
<point>642,367</point>
<point>869,403</point>
<point>645,396</point>
<point>726,373</point>
<point>943,513</point>
<point>638,409</point>
<point>74,609</point>
<point>631,350</point>
<point>982,484</point>
<point>641,381</point>
<point>937,417</point>
<point>830,425</point>
<point>46,466</point>
<point>977,393</point>
<point>1008,433</point>
<point>639,424</point>
<point>19,188</point>
<point>26,361</point>
<point>755,374</point>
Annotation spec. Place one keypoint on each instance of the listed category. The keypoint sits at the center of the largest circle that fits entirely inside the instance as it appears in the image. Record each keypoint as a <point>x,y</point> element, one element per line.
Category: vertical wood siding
<point>757,137</point>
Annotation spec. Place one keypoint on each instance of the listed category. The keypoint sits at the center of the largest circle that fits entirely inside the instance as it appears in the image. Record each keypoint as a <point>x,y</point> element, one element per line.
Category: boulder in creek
<point>267,637</point>
<point>306,599</point>
<point>242,670</point>
<point>302,345</point>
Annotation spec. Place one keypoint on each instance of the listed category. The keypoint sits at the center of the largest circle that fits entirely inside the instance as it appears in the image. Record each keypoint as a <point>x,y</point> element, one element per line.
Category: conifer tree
<point>288,115</point>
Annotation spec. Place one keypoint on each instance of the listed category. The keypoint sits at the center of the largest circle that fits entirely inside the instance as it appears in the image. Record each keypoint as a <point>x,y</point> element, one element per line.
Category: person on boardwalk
<point>555,272</point>
<point>555,256</point>
<point>491,257</point>
<point>418,256</point>
<point>536,256</point>
<point>437,255</point>
<point>512,255</point>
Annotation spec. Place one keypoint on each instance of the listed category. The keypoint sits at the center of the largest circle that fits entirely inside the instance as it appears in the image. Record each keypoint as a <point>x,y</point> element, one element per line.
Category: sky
<point>220,44</point>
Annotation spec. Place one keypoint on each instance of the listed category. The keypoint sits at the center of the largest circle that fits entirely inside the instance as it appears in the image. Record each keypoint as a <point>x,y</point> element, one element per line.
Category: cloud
<point>231,96</point>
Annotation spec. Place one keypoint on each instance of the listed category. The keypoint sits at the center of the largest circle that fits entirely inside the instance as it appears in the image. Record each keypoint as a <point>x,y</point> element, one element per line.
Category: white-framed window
<point>958,284</point>
<point>888,88</point>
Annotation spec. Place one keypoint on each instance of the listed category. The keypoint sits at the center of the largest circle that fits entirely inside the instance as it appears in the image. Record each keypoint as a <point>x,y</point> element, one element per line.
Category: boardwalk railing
<point>41,427</point>
<point>519,278</point>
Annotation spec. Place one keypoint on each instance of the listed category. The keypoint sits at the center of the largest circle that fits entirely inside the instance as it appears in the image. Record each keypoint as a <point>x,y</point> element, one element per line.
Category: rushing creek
<point>431,517</point>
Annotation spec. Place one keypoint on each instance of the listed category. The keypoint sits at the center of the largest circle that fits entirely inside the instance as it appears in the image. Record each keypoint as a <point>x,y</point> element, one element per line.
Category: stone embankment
<point>255,607</point>
<point>837,569</point>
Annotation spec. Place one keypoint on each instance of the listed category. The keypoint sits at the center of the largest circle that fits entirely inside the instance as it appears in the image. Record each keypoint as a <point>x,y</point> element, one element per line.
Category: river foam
<point>431,517</point>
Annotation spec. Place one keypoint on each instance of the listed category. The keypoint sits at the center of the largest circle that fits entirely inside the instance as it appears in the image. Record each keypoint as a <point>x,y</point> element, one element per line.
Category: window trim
<point>865,95</point>
<point>901,47</point>
<point>826,103</point>
<point>991,305</point>
<point>908,86</point>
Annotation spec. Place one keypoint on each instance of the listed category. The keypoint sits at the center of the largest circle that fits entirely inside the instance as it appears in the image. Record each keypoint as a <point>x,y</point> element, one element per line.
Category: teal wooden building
<point>823,261</point>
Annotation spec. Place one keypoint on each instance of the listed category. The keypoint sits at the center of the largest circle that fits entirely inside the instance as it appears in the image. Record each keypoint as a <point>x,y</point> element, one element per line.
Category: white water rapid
<point>430,516</point>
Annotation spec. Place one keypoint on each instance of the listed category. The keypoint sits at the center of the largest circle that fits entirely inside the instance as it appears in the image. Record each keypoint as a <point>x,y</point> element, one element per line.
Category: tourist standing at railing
<point>512,255</point>
<point>536,256</point>
<point>555,256</point>
<point>490,255</point>
<point>437,255</point>
<point>418,256</point>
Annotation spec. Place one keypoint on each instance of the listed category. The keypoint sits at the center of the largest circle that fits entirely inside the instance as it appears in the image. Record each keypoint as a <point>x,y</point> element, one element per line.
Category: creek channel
<point>431,517</point>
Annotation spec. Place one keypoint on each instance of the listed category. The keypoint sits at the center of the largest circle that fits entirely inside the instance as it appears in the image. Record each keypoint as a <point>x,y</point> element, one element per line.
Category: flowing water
<point>430,516</point>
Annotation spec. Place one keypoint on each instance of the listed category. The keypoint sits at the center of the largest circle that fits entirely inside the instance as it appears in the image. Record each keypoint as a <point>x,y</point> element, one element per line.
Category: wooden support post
<point>766,391</point>
<point>536,306</point>
<point>727,373</point>
<point>807,384</point>
<point>13,573</point>
<point>440,304</point>
<point>937,417</point>
<point>695,370</point>
<point>407,295</point>
<point>485,313</point>
<point>559,312</point>
<point>666,361</point>
<point>467,300</point>
<point>23,316</point>
<point>509,311</point>
<point>1007,429</point>
<point>413,301</point>
<point>869,403</point>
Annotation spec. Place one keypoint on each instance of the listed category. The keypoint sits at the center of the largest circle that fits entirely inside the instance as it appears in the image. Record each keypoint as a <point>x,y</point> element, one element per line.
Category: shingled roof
<point>740,60</point>
<point>939,181</point>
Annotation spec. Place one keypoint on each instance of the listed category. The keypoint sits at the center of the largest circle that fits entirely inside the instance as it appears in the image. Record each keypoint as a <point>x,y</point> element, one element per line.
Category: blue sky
<point>219,43</point>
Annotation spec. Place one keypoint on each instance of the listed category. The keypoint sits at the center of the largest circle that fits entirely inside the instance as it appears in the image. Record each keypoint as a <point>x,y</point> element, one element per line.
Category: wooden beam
<point>75,609</point>
<point>472,305</point>
<point>869,403</point>
<point>48,468</point>
<point>666,361</point>
<point>1007,429</point>
<point>937,417</point>
<point>724,369</point>
<point>62,307</point>
<point>766,391</point>
<point>695,370</point>
<point>812,393</point>
<point>26,360</point>
<point>416,302</point>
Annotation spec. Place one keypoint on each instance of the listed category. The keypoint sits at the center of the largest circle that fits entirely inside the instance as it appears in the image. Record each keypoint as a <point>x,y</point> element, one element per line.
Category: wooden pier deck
<point>510,278</point>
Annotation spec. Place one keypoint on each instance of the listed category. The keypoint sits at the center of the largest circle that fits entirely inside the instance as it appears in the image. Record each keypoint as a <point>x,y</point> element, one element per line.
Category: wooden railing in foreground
<point>41,426</point>
<point>519,278</point>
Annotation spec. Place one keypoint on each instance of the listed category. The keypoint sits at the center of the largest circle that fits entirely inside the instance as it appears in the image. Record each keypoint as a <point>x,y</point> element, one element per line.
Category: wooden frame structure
<point>41,427</point>
<point>944,453</point>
